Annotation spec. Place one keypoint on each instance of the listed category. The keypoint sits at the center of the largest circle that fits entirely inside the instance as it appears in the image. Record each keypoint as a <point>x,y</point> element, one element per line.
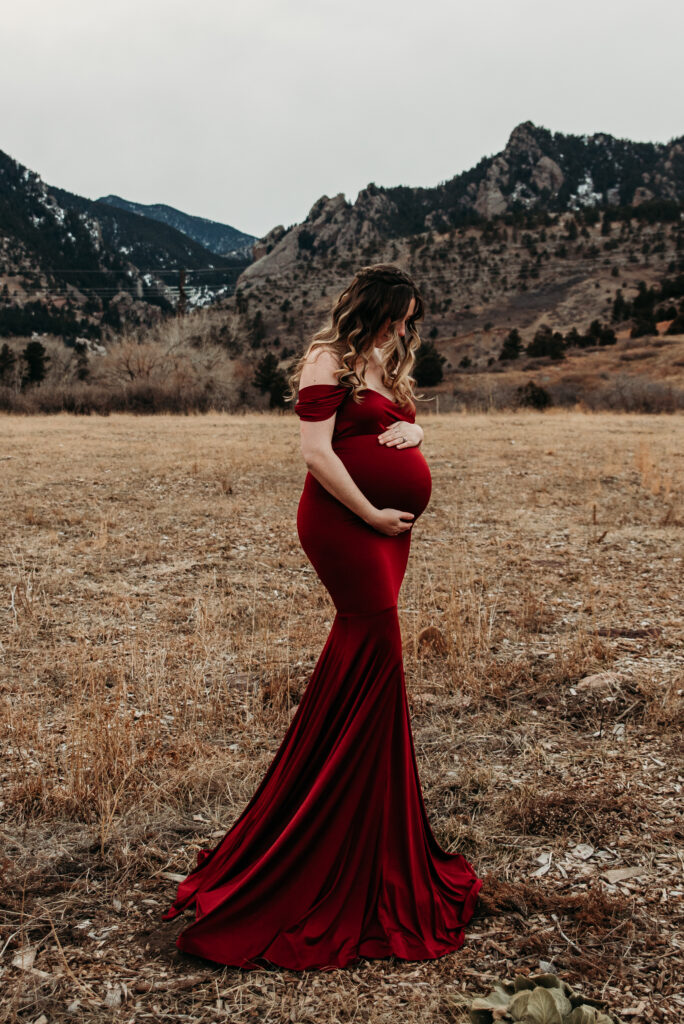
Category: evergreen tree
<point>643,303</point>
<point>36,358</point>
<point>428,366</point>
<point>601,335</point>
<point>268,377</point>
<point>512,346</point>
<point>82,366</point>
<point>7,363</point>
<point>257,329</point>
<point>546,343</point>
<point>620,307</point>
<point>643,325</point>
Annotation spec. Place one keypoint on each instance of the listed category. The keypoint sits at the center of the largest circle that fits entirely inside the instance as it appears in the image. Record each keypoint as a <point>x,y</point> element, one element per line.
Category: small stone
<point>113,998</point>
<point>24,958</point>
<point>600,681</point>
<point>582,851</point>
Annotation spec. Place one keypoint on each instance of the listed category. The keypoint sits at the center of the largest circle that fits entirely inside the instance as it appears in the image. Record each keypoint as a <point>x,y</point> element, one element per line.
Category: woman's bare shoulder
<point>319,368</point>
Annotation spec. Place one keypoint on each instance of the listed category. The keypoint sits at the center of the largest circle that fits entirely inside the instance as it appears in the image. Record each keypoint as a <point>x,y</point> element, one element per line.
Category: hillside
<point>221,239</point>
<point>73,267</point>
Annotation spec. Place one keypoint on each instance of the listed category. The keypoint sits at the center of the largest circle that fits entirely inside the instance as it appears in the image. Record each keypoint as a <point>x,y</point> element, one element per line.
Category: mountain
<point>538,170</point>
<point>555,230</point>
<point>70,265</point>
<point>212,235</point>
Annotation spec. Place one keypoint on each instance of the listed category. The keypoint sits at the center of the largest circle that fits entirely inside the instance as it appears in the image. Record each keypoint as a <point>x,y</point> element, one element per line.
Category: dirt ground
<point>159,622</point>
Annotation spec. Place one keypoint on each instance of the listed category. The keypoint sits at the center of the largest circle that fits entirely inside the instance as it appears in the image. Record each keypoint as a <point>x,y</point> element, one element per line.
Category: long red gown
<point>333,858</point>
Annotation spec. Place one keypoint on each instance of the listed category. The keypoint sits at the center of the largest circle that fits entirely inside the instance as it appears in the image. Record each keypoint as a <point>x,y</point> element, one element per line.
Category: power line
<point>143,270</point>
<point>576,264</point>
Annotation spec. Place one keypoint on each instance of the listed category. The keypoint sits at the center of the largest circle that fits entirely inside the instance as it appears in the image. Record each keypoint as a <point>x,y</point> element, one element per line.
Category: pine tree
<point>7,363</point>
<point>512,346</point>
<point>36,358</point>
<point>257,329</point>
<point>241,301</point>
<point>621,307</point>
<point>82,365</point>
<point>546,343</point>
<point>268,377</point>
<point>428,367</point>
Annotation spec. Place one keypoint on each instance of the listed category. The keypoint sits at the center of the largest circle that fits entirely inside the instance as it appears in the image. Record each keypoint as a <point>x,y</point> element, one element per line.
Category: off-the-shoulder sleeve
<point>319,401</point>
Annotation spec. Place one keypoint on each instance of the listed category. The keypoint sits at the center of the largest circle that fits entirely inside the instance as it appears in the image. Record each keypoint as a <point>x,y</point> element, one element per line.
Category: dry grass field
<point>159,621</point>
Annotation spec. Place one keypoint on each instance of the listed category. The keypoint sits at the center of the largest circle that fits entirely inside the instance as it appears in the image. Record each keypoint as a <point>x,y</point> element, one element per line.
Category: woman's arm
<point>330,471</point>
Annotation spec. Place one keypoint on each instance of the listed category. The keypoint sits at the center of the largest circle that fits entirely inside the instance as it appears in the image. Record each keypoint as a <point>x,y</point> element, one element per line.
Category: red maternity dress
<point>333,858</point>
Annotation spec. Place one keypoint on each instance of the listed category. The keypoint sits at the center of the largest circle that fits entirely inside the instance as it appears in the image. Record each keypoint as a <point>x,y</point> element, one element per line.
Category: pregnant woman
<point>333,858</point>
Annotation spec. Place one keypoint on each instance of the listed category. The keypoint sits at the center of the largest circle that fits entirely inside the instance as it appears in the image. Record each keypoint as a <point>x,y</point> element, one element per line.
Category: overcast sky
<point>246,111</point>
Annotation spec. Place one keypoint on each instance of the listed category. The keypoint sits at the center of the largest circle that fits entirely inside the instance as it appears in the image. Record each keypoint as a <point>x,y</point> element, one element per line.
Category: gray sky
<point>246,111</point>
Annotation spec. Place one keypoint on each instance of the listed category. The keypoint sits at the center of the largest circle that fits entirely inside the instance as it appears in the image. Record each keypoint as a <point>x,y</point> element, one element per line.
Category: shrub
<point>677,325</point>
<point>534,396</point>
<point>642,326</point>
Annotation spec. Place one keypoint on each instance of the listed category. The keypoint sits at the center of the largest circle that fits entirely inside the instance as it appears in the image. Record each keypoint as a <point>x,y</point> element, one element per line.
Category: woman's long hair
<point>376,293</point>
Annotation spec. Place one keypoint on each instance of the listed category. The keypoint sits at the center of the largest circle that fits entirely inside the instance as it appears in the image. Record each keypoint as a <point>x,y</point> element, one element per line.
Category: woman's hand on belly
<point>391,521</point>
<point>411,433</point>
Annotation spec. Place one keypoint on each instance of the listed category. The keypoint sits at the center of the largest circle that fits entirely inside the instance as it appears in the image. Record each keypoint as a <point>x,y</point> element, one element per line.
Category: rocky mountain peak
<point>537,169</point>
<point>524,139</point>
<point>325,209</point>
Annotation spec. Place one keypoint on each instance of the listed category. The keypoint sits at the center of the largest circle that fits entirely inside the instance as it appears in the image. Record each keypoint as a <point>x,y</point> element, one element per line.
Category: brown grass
<point>159,624</point>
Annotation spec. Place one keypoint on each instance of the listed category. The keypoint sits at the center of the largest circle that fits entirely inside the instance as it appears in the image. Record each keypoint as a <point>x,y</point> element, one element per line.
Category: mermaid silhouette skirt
<point>333,858</point>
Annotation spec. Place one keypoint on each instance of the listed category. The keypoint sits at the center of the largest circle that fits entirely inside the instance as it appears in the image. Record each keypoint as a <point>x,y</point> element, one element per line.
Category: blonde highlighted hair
<point>357,316</point>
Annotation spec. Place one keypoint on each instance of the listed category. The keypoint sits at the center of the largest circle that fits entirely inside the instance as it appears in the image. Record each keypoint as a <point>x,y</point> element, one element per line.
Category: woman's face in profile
<point>400,325</point>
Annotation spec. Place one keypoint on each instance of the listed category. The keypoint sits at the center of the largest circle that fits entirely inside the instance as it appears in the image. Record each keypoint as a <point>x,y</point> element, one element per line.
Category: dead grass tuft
<point>591,811</point>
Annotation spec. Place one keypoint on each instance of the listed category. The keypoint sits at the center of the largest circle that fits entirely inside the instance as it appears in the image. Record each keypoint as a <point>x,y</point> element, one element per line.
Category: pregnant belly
<point>389,477</point>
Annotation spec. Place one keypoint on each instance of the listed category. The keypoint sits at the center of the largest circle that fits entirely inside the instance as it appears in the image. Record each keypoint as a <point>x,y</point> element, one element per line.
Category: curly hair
<point>357,316</point>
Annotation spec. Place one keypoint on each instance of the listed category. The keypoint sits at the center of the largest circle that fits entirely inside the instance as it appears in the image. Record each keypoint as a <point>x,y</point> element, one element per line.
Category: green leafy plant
<point>540,999</point>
